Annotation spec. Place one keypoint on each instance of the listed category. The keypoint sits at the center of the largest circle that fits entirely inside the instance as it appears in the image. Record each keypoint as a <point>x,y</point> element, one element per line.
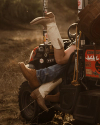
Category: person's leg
<point>50,73</point>
<point>48,21</point>
<point>38,77</point>
<point>46,88</point>
<point>40,93</point>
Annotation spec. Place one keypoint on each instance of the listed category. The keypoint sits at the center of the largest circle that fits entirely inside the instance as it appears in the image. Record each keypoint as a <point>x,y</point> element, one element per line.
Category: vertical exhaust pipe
<point>45,10</point>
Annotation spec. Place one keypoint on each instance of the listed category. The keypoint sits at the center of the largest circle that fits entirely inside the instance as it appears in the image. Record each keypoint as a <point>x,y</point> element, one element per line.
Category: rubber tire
<point>33,110</point>
<point>24,99</point>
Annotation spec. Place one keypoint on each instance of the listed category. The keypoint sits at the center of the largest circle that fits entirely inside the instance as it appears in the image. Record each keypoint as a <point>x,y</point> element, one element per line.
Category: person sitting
<point>45,80</point>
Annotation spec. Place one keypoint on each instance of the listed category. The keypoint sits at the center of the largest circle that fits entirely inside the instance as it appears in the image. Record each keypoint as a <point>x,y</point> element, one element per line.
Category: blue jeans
<point>51,73</point>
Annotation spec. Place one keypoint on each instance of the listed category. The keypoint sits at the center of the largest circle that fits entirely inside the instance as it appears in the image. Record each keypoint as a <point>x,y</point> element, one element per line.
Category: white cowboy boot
<point>40,93</point>
<point>46,88</point>
<point>53,33</point>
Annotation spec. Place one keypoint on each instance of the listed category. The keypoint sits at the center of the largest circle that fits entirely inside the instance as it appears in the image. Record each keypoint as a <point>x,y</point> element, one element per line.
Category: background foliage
<point>20,10</point>
<point>23,11</point>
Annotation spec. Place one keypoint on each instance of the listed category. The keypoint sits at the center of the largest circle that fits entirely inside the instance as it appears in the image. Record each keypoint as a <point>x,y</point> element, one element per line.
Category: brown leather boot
<point>49,18</point>
<point>36,95</point>
<point>53,98</point>
<point>30,75</point>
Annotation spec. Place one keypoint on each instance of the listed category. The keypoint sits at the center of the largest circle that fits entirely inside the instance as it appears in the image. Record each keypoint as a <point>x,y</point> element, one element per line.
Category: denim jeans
<point>51,73</point>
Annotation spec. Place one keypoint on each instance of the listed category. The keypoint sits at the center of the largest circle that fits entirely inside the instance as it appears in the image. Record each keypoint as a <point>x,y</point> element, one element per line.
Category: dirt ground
<point>15,46</point>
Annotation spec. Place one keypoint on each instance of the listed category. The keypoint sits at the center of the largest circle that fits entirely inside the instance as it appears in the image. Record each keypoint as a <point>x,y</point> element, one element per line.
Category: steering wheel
<point>72,37</point>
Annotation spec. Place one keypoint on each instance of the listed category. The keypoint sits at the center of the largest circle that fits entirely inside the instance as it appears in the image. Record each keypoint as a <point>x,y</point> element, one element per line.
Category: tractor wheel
<point>29,109</point>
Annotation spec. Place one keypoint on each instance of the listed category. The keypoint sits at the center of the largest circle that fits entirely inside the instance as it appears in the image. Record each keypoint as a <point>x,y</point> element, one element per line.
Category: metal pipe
<point>45,7</point>
<point>45,10</point>
<point>80,3</point>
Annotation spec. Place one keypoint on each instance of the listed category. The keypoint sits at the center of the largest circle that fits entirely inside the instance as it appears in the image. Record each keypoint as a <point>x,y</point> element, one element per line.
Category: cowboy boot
<point>30,75</point>
<point>52,30</point>
<point>49,18</point>
<point>36,95</point>
<point>53,98</point>
<point>46,88</point>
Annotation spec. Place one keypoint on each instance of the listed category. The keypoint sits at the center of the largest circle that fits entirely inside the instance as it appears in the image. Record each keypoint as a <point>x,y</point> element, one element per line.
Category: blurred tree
<point>1,6</point>
<point>69,3</point>
<point>21,10</point>
<point>73,4</point>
